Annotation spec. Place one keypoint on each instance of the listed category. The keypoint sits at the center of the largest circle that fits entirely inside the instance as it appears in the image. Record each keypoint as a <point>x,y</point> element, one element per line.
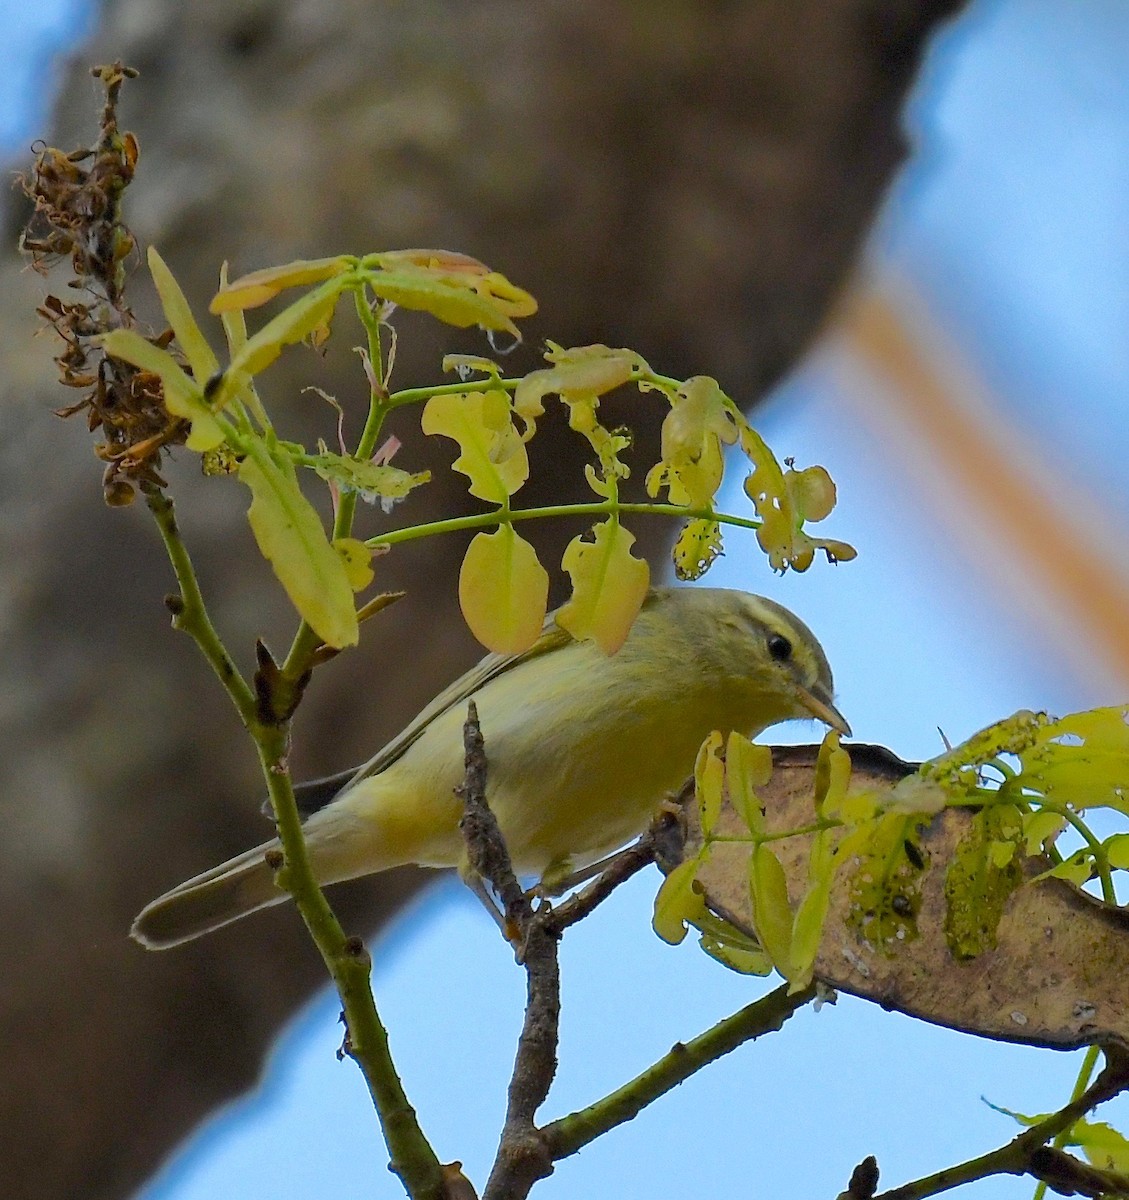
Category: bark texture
<point>692,178</point>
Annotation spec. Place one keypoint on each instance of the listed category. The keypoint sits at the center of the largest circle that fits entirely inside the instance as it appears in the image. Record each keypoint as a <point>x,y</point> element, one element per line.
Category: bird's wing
<point>462,689</point>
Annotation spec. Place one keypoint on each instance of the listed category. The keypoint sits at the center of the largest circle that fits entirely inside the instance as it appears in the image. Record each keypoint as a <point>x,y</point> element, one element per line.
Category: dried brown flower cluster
<point>77,199</point>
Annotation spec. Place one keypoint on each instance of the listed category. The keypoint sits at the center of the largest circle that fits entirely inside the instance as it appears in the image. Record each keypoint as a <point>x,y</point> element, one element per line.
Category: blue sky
<point>1011,220</point>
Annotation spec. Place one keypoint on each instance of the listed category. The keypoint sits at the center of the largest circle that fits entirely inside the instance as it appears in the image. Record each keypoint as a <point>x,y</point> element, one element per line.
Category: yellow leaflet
<point>709,774</point>
<point>697,546</point>
<point>772,914</point>
<point>503,591</point>
<point>179,316</point>
<point>747,767</point>
<point>297,321</point>
<point>832,772</point>
<point>183,396</point>
<point>678,903</point>
<point>608,586</point>
<point>807,929</point>
<point>291,539</point>
<point>698,425</point>
<point>249,291</point>
<point>357,558</point>
<point>784,500</point>
<point>493,456</point>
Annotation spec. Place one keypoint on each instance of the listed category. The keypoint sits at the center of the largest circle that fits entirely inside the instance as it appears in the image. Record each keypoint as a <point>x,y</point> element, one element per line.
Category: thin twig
<point>767,1015</point>
<point>1028,1153</point>
<point>521,1159</point>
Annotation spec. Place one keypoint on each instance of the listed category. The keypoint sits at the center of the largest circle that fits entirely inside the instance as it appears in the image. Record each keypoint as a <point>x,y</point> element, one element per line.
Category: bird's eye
<point>779,647</point>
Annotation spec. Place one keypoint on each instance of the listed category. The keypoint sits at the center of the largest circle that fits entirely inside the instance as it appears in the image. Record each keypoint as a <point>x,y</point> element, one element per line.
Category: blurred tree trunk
<point>692,179</point>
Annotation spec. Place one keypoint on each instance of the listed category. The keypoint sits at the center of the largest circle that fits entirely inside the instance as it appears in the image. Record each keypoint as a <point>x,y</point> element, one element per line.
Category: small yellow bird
<point>580,748</point>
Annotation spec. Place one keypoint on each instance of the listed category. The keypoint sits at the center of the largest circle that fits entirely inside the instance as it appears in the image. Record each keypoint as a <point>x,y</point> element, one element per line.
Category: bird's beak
<point>818,703</point>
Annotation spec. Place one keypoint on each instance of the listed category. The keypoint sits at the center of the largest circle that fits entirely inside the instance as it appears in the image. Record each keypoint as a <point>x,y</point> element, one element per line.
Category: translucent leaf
<point>748,766</point>
<point>1103,1145</point>
<point>1040,829</point>
<point>178,314</point>
<point>373,481</point>
<point>297,321</point>
<point>699,423</point>
<point>1082,759</point>
<point>1077,869</point>
<point>678,903</point>
<point>291,539</point>
<point>832,773</point>
<point>745,960</point>
<point>697,546</point>
<point>885,884</point>
<point>183,395</point>
<point>772,915</point>
<point>503,591</point>
<point>709,776</point>
<point>1117,851</point>
<point>493,456</point>
<point>256,288</point>
<point>357,558</point>
<point>455,288</point>
<point>580,376</point>
<point>784,500</point>
<point>917,795</point>
<point>807,930</point>
<point>978,884</point>
<point>609,586</point>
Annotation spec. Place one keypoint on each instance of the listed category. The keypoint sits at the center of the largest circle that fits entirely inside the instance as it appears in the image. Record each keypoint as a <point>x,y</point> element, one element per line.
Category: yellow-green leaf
<point>709,776</point>
<point>183,395</point>
<point>608,586</point>
<point>296,322</point>
<point>1041,828</point>
<point>807,930</point>
<point>748,766</point>
<point>745,960</point>
<point>678,903</point>
<point>772,914</point>
<point>1117,851</point>
<point>697,546</point>
<point>251,290</point>
<point>493,456</point>
<point>292,540</point>
<point>357,558</point>
<point>178,314</point>
<point>503,591</point>
<point>373,481</point>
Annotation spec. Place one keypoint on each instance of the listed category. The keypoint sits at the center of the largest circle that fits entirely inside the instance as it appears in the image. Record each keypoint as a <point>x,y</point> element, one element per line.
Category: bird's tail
<point>217,897</point>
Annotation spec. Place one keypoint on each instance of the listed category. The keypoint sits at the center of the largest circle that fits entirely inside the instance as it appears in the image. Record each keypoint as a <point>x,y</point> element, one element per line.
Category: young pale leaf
<point>697,546</point>
<point>609,586</point>
<point>1103,1145</point>
<point>807,930</point>
<point>493,456</point>
<point>748,766</point>
<point>699,423</point>
<point>978,884</point>
<point>709,775</point>
<point>1081,760</point>
<point>832,773</point>
<point>1040,829</point>
<point>1117,851</point>
<point>455,288</point>
<point>183,395</point>
<point>1077,869</point>
<point>292,540</point>
<point>745,960</point>
<point>503,591</point>
<point>772,914</point>
<point>188,335</point>
<point>782,501</point>
<point>373,481</point>
<point>302,319</point>
<point>357,558</point>
<point>678,903</point>
<point>249,291</point>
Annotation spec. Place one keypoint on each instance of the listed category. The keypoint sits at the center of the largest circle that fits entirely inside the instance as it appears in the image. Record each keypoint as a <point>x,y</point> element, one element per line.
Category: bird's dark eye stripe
<point>779,647</point>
